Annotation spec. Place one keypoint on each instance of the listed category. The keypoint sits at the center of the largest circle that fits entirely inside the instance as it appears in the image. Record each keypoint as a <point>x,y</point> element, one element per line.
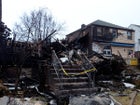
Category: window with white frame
<point>129,35</point>
<point>99,31</point>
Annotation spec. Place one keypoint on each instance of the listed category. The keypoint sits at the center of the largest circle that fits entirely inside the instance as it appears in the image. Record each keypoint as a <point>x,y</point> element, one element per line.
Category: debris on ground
<point>6,100</point>
<point>94,99</point>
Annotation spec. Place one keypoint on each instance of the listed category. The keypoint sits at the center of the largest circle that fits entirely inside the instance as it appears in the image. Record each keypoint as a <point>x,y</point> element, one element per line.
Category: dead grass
<point>125,100</point>
<point>137,99</point>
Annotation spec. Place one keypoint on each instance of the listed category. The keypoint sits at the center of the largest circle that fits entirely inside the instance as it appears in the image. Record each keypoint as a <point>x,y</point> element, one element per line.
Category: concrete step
<point>78,91</point>
<point>68,70</point>
<point>72,79</point>
<point>68,66</point>
<point>69,75</point>
<point>73,85</point>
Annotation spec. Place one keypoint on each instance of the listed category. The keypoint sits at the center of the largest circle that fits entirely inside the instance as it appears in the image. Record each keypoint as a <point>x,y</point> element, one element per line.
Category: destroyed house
<point>104,38</point>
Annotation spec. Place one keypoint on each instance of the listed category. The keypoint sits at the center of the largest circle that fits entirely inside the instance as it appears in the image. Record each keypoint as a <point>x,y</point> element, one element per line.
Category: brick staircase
<point>72,85</point>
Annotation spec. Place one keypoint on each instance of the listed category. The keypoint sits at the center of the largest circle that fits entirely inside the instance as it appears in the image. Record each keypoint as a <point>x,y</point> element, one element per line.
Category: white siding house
<point>136,28</point>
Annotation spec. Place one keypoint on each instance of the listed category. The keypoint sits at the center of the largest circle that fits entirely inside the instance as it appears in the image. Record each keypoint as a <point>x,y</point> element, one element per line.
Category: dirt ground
<point>128,97</point>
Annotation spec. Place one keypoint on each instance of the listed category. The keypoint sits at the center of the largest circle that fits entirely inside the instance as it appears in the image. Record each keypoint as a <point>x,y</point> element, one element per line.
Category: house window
<point>110,30</point>
<point>129,35</point>
<point>107,50</point>
<point>99,31</point>
<point>138,41</point>
<point>130,53</point>
<point>114,33</point>
<point>106,31</point>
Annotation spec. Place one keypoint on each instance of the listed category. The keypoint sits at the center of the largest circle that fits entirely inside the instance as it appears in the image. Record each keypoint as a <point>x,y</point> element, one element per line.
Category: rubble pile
<point>94,99</point>
<point>6,100</point>
<point>108,76</point>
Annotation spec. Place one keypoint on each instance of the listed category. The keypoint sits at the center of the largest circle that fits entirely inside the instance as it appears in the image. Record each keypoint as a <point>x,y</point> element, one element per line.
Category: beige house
<point>105,38</point>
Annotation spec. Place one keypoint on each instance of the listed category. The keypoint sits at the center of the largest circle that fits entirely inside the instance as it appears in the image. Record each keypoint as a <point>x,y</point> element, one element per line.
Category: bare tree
<point>37,25</point>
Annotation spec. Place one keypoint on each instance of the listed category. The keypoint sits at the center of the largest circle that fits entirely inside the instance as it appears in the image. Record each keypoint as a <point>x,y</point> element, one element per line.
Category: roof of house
<point>135,25</point>
<point>106,24</point>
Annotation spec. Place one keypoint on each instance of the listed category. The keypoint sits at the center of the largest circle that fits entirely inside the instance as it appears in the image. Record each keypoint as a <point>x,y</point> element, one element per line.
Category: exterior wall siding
<point>122,37</point>
<point>137,36</point>
<point>123,51</point>
<point>97,47</point>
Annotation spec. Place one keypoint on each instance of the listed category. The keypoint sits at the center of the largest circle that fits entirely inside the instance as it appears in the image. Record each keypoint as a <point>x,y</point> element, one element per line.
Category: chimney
<point>83,26</point>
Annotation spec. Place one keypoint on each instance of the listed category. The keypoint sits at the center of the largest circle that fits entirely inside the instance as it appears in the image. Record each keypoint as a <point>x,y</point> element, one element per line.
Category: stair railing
<point>86,65</point>
<point>57,66</point>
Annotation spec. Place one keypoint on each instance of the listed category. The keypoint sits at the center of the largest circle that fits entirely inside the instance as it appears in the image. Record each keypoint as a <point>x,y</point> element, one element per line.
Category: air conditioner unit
<point>107,52</point>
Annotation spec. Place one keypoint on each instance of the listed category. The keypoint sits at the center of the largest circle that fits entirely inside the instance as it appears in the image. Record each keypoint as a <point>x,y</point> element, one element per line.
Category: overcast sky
<point>76,12</point>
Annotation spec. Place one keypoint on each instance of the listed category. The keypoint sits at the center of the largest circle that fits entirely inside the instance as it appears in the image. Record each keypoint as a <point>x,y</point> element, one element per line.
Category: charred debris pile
<point>55,70</point>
